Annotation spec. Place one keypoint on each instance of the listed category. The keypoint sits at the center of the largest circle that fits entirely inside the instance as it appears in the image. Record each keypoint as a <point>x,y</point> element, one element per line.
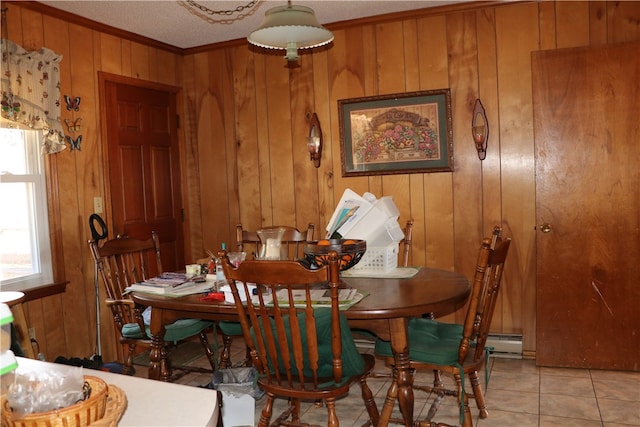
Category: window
<point>25,250</point>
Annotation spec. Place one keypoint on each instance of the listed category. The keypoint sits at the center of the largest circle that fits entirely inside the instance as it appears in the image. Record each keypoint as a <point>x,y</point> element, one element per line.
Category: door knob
<point>545,228</point>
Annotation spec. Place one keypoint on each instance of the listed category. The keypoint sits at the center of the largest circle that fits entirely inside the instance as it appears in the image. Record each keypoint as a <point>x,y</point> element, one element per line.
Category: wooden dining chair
<point>301,351</point>
<point>458,350</point>
<point>124,261</point>
<point>293,240</point>
<point>249,241</point>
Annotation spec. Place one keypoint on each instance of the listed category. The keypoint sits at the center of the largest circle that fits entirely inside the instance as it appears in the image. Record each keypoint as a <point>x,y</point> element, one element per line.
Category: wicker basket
<point>77,415</point>
<point>116,404</point>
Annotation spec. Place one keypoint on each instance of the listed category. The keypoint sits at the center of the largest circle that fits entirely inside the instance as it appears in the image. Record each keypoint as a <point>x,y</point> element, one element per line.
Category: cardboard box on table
<point>374,220</point>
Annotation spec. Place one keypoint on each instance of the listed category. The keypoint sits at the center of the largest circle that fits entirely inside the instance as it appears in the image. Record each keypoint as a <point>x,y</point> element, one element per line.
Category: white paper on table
<point>319,297</point>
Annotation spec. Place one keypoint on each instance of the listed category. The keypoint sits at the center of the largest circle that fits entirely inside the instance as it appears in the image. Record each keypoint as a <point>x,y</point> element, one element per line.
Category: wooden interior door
<point>587,140</point>
<point>144,167</point>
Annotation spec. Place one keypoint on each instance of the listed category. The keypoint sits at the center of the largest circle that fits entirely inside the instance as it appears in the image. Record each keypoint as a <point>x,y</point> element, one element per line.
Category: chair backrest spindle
<point>407,241</point>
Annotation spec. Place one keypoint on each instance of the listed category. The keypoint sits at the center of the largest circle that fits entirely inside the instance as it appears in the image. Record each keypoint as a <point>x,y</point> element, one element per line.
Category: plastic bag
<point>41,391</point>
<point>237,381</point>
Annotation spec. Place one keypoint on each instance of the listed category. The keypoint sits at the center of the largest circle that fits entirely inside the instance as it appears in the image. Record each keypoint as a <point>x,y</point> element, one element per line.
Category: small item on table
<point>271,243</point>
<point>272,249</point>
<point>350,251</point>
<point>220,279</point>
<point>193,270</point>
<point>213,296</point>
<point>236,258</point>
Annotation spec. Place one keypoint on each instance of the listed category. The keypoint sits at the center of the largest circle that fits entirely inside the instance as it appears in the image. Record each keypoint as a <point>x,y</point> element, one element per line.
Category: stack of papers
<point>351,208</point>
<point>396,273</point>
<point>166,279</point>
<point>319,297</point>
<point>172,284</point>
<point>366,217</point>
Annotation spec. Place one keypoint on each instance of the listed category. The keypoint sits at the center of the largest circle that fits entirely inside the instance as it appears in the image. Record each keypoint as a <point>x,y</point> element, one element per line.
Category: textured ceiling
<point>178,24</point>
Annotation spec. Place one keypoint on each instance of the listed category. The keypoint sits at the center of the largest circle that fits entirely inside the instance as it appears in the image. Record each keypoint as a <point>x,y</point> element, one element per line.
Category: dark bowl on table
<point>316,252</point>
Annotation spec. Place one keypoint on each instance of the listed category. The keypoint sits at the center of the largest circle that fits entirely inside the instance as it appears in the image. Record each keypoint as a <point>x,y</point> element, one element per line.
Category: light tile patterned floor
<point>519,394</point>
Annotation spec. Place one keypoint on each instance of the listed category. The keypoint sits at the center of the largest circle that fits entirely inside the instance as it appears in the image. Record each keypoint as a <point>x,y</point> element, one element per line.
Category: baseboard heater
<point>505,345</point>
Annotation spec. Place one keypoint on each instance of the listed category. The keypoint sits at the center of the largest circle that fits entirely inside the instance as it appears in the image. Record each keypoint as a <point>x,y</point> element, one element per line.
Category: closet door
<point>587,142</point>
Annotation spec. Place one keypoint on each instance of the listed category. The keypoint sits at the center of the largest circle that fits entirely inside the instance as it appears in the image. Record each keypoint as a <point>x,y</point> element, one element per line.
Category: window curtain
<point>31,93</point>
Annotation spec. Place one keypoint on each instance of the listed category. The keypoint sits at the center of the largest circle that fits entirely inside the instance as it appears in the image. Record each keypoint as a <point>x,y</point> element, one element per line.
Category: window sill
<point>44,291</point>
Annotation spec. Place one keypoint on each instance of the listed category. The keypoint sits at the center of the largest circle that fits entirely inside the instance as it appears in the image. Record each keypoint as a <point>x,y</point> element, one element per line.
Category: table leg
<point>159,365</point>
<point>400,348</point>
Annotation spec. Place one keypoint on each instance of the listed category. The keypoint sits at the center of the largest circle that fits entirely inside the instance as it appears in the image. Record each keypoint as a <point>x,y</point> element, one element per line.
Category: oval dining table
<point>388,304</point>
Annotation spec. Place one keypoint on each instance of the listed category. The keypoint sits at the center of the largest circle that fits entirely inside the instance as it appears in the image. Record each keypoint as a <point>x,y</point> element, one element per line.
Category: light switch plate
<point>97,205</point>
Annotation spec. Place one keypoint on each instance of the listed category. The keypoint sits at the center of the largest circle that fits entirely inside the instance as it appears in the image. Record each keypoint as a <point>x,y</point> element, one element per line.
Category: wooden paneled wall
<point>244,129</point>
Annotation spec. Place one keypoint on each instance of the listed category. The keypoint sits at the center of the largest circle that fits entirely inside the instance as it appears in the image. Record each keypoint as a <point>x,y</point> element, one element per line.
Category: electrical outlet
<point>97,205</point>
<point>32,333</point>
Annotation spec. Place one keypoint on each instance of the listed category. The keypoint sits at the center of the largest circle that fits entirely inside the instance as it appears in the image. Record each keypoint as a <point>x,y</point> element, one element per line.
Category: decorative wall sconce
<point>480,129</point>
<point>314,142</point>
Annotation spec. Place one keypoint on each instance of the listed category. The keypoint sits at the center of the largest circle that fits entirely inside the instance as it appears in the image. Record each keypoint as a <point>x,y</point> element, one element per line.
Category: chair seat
<point>324,383</point>
<point>430,341</point>
<point>230,328</point>
<point>177,331</point>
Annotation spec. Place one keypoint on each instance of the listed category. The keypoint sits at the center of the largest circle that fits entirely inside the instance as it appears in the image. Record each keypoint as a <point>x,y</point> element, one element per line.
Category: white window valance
<point>31,93</point>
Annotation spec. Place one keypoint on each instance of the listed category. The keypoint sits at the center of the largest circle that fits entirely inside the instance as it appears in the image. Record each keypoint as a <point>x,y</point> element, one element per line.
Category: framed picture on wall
<point>396,133</point>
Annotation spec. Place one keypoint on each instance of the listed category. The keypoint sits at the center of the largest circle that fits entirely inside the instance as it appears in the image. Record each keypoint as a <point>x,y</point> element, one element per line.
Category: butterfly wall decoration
<point>72,104</point>
<point>73,125</point>
<point>74,143</point>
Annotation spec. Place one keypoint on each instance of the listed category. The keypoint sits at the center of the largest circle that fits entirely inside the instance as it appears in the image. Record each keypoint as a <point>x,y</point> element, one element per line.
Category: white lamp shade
<point>290,27</point>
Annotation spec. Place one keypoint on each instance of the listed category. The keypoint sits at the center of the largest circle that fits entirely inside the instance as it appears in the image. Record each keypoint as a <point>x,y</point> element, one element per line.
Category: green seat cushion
<point>421,327</point>
<point>177,331</point>
<point>352,361</point>
<point>429,342</point>
<point>230,329</point>
<point>363,334</point>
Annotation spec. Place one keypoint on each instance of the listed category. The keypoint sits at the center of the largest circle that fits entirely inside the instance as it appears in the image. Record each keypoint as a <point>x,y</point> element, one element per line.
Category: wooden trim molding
<point>44,291</point>
<point>55,225</point>
<point>94,25</point>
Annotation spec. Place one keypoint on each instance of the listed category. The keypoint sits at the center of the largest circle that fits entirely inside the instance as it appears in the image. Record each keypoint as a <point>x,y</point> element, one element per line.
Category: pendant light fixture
<point>290,28</point>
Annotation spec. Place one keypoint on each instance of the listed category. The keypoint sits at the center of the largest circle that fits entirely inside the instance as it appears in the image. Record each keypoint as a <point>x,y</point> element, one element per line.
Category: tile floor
<point>519,394</point>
